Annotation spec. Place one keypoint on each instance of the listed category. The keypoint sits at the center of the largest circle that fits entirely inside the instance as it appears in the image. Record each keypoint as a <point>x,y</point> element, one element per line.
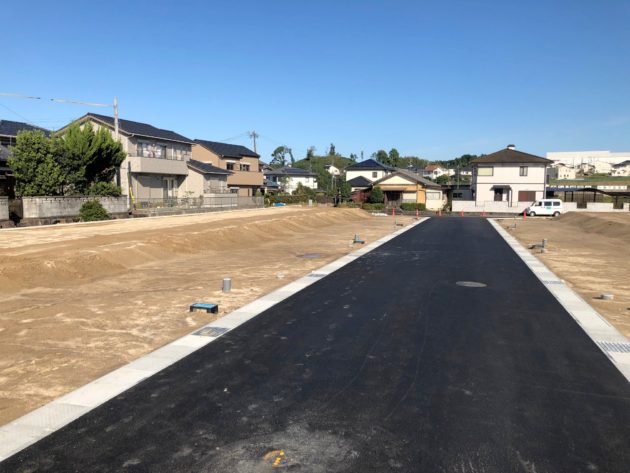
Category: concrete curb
<point>28,429</point>
<point>614,345</point>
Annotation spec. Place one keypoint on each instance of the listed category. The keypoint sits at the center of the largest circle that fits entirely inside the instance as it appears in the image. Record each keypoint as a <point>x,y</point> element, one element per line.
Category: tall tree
<point>34,164</point>
<point>279,156</point>
<point>310,152</point>
<point>353,157</point>
<point>381,156</point>
<point>394,157</point>
<point>331,150</point>
<point>88,157</point>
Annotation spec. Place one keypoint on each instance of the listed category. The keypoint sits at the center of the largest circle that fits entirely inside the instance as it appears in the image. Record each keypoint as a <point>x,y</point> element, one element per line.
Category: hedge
<point>271,199</point>
<point>373,206</point>
<point>411,206</point>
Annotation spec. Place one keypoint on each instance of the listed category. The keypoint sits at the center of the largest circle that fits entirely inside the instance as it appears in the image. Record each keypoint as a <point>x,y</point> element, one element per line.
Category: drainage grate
<point>470,284</point>
<point>618,347</point>
<point>211,331</point>
<point>316,275</point>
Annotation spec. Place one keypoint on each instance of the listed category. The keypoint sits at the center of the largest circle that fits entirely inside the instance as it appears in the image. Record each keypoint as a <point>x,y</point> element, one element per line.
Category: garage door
<point>526,196</point>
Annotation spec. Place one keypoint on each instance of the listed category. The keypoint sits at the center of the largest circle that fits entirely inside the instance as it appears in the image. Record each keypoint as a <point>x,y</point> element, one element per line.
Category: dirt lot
<point>591,252</point>
<point>78,301</point>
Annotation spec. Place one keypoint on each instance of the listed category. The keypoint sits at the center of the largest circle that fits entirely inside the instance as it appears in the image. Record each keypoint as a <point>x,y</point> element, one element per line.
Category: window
<point>230,166</point>
<point>485,171</point>
<point>556,204</point>
<point>244,167</point>
<point>457,195</point>
<point>522,171</point>
<point>151,150</point>
<point>374,173</point>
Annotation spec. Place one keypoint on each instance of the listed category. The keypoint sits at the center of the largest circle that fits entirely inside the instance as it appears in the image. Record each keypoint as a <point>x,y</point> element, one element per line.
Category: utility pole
<point>116,118</point>
<point>253,135</point>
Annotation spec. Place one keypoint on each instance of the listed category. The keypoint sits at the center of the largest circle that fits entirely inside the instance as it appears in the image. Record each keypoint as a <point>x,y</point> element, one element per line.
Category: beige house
<point>560,171</point>
<point>407,187</point>
<point>246,176</point>
<point>156,164</point>
<point>509,176</point>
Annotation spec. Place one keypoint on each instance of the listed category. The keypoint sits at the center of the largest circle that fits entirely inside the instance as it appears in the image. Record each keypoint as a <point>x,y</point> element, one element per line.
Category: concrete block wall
<point>55,207</point>
<point>488,206</point>
<point>4,208</point>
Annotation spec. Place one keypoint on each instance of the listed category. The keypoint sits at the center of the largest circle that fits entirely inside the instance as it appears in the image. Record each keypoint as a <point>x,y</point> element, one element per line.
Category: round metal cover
<point>470,284</point>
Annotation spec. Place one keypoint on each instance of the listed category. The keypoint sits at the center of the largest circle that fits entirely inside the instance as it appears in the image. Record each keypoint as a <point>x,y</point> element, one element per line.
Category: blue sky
<point>433,79</point>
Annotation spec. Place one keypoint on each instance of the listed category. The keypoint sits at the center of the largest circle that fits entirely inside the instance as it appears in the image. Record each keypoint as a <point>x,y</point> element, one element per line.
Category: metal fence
<point>214,203</point>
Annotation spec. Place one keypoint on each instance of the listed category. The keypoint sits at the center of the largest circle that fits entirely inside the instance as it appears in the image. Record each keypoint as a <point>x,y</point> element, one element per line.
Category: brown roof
<point>508,155</point>
<point>411,176</point>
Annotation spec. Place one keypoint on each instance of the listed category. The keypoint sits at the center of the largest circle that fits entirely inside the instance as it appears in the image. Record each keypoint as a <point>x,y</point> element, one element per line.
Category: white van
<point>546,207</point>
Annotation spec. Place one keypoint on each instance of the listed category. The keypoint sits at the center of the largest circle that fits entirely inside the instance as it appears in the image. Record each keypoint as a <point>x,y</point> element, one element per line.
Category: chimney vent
<point>511,147</point>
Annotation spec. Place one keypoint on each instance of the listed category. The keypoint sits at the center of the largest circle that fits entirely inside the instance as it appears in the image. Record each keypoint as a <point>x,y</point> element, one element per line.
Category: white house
<point>621,169</point>
<point>510,176</point>
<point>433,171</point>
<point>577,158</point>
<point>370,169</point>
<point>332,170</point>
<point>560,171</point>
<point>287,178</point>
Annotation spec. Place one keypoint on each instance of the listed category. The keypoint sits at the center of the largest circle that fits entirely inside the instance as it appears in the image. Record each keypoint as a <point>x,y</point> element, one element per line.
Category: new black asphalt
<point>385,365</point>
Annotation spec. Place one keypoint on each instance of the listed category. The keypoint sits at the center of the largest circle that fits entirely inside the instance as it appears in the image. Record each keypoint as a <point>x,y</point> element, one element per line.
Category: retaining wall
<point>57,207</point>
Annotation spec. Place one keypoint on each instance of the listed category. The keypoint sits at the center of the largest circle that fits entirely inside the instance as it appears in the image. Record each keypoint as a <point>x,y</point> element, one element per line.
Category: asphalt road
<point>386,365</point>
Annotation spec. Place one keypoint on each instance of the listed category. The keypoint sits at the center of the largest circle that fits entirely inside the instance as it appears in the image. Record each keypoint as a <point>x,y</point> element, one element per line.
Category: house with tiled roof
<point>8,134</point>
<point>403,186</point>
<point>246,176</point>
<point>370,169</point>
<point>511,176</point>
<point>156,166</point>
<point>287,178</point>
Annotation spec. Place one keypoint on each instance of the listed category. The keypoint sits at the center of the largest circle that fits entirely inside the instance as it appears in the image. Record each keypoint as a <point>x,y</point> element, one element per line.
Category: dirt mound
<point>89,259</point>
<point>610,225</point>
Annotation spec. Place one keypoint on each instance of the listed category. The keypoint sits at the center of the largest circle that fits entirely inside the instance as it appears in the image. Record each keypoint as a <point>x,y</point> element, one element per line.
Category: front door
<point>498,195</point>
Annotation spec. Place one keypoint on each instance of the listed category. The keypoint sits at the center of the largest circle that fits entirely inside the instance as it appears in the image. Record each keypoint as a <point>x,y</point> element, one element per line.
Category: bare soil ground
<point>591,252</point>
<point>78,301</point>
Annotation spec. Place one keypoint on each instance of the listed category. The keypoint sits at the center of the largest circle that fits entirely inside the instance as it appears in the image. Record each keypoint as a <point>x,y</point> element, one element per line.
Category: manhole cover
<point>211,331</point>
<point>310,256</point>
<point>470,284</point>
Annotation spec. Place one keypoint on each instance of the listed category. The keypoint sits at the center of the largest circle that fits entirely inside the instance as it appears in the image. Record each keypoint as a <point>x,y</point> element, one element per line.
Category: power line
<point>235,137</point>
<point>30,122</point>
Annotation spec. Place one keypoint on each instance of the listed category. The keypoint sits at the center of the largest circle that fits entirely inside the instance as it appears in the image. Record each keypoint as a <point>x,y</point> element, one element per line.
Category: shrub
<point>92,211</point>
<point>410,206</point>
<point>105,189</point>
<point>376,206</point>
<point>376,196</point>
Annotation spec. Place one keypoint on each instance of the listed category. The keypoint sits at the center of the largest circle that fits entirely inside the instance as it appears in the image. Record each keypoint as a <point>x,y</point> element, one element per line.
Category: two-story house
<point>287,178</point>
<point>509,176</point>
<point>362,174</point>
<point>8,134</point>
<point>156,165</point>
<point>246,176</point>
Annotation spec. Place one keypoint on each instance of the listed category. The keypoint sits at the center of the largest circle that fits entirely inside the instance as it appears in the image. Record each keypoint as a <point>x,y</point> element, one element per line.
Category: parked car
<point>546,207</point>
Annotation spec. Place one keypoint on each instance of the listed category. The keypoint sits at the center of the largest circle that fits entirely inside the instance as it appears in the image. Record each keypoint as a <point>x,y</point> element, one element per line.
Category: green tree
<point>381,156</point>
<point>34,163</point>
<point>394,157</point>
<point>331,150</point>
<point>310,152</point>
<point>279,156</point>
<point>443,179</point>
<point>345,190</point>
<point>376,196</point>
<point>88,157</point>
<point>354,157</point>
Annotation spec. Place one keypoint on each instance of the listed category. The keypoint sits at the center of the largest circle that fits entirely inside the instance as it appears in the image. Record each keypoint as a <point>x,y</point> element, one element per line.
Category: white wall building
<point>576,158</point>
<point>509,176</point>
<point>369,169</point>
<point>560,171</point>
